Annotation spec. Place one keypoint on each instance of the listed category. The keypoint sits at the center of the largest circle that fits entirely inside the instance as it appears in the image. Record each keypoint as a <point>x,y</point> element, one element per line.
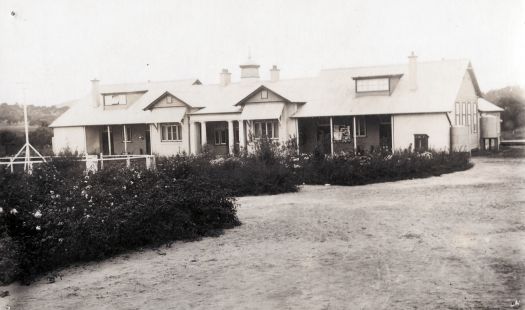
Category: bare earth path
<point>450,242</point>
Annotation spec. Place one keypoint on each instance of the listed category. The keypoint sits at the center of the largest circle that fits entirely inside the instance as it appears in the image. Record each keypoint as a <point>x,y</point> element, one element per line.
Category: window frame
<point>265,92</point>
<point>173,129</point>
<point>358,132</point>
<point>358,81</point>
<point>264,133</point>
<point>222,136</point>
<point>421,137</point>
<point>169,99</point>
<point>129,135</point>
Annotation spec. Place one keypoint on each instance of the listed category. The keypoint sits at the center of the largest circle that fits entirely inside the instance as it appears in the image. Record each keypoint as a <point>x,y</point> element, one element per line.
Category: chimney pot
<point>225,77</point>
<point>95,93</point>
<point>274,74</point>
<point>412,71</point>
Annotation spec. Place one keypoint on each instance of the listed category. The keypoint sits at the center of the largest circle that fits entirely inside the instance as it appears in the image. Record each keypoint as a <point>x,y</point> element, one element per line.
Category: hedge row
<point>58,215</point>
<point>351,169</point>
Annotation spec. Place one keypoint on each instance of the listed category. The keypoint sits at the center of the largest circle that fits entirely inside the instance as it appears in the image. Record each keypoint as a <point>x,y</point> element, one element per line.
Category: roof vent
<point>249,69</point>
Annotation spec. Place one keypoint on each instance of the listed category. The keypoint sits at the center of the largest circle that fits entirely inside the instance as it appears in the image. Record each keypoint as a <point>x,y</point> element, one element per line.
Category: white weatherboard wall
<point>167,148</point>
<point>69,138</point>
<point>436,126</point>
<point>467,93</point>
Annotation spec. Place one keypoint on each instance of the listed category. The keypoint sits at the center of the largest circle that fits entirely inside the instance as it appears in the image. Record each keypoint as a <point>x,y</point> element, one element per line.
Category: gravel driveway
<point>449,242</point>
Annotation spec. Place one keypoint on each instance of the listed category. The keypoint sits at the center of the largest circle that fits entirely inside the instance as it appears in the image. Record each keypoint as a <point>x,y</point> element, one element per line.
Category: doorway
<point>385,136</point>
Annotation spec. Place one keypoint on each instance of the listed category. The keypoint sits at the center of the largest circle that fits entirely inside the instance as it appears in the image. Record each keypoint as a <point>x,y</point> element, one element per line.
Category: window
<point>421,142</point>
<point>474,118</point>
<point>360,127</point>
<point>371,85</point>
<point>171,132</point>
<point>127,135</point>
<point>467,114</point>
<point>118,99</point>
<point>169,99</point>
<point>221,136</point>
<point>266,129</point>
<point>458,113</point>
<point>463,113</point>
<point>264,94</point>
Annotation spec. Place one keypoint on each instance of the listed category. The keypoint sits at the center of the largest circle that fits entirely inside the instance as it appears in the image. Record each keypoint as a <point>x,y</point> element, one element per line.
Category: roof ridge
<point>149,82</point>
<point>394,65</point>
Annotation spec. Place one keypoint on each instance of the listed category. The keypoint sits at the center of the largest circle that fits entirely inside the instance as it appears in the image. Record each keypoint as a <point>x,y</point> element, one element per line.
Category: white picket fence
<point>93,162</point>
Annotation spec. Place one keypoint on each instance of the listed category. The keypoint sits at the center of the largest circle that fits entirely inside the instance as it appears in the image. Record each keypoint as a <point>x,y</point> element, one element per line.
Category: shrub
<point>58,215</point>
<point>268,170</point>
<point>356,169</point>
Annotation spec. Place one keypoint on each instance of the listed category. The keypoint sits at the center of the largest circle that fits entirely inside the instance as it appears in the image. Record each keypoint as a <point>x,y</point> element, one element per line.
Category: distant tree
<point>512,100</point>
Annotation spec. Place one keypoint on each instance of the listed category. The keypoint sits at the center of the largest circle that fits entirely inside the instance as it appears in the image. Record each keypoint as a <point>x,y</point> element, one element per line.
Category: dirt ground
<point>450,242</point>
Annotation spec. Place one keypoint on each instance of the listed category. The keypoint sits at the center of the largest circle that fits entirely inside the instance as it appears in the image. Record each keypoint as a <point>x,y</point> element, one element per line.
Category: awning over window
<point>166,115</point>
<point>254,111</point>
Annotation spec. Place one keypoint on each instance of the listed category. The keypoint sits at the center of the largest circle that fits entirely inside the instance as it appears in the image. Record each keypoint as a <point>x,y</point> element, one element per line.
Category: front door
<point>385,136</point>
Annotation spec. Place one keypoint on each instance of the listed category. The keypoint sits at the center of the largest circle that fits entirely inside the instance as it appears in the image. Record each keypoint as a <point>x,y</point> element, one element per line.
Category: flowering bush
<point>58,215</point>
<point>266,171</point>
<point>350,169</point>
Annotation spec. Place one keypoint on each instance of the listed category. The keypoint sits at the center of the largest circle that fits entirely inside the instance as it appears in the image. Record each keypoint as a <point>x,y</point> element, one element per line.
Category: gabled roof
<point>487,106</point>
<point>257,90</point>
<point>438,85</point>
<point>331,93</point>
<point>83,113</point>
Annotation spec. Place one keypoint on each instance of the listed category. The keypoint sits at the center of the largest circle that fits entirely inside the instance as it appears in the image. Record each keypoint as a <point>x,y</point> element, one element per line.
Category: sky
<point>50,50</point>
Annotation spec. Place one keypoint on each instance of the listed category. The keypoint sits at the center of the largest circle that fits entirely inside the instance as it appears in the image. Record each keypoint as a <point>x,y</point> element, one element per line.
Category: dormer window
<point>370,85</point>
<point>115,99</point>
<point>376,85</point>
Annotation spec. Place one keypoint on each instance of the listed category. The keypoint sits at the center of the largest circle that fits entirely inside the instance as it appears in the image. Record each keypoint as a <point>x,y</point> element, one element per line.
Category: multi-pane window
<point>458,113</point>
<point>221,136</point>
<point>421,142</point>
<point>127,134</point>
<point>360,127</point>
<point>115,99</point>
<point>171,132</point>
<point>371,85</point>
<point>266,129</point>
<point>475,118</point>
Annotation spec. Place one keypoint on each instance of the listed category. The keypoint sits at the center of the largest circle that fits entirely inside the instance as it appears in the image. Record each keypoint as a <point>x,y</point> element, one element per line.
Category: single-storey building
<point>415,105</point>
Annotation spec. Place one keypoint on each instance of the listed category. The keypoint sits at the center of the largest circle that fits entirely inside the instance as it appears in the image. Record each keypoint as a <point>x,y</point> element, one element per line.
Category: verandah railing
<point>93,162</point>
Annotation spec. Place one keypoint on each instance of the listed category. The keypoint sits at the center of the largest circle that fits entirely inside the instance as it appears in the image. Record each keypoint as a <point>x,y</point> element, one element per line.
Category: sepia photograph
<point>262,154</point>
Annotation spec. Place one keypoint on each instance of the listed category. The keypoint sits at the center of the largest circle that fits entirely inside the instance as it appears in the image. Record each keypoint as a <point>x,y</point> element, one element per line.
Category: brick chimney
<point>95,93</point>
<point>274,74</point>
<point>225,77</point>
<point>412,71</point>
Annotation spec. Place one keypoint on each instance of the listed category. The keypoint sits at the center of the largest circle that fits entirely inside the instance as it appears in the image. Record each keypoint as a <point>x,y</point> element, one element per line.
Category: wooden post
<point>355,137</point>
<point>331,136</point>
<point>242,136</point>
<point>101,161</point>
<point>109,140</point>
<point>297,135</point>
<point>231,142</point>
<point>204,139</point>
<point>125,140</point>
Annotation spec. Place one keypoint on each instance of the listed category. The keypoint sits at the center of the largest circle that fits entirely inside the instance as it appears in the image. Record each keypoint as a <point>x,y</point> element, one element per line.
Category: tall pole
<point>26,127</point>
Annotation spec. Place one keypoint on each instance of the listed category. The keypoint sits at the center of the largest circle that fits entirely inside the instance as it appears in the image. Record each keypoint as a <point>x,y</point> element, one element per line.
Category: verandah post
<point>354,136</point>
<point>331,136</point>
